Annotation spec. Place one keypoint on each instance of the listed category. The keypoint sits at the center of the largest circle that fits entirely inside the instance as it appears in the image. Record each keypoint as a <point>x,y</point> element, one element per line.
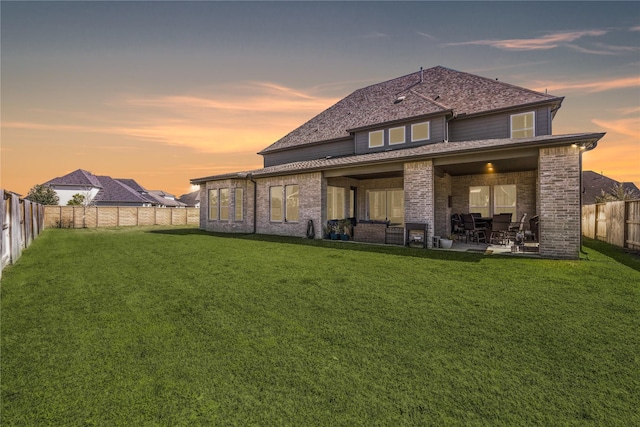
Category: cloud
<point>636,28</point>
<point>629,127</point>
<point>429,36</point>
<point>374,35</point>
<point>549,41</point>
<point>225,119</point>
<point>590,86</point>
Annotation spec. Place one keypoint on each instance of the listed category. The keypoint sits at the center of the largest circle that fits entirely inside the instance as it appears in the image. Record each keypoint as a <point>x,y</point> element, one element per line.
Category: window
<point>335,202</point>
<point>224,204</point>
<point>479,200</point>
<point>376,139</point>
<point>504,199</point>
<point>239,203</point>
<point>213,204</point>
<point>522,125</point>
<point>284,203</point>
<point>292,211</point>
<point>386,205</point>
<point>352,203</point>
<point>396,135</point>
<point>420,131</point>
<point>275,203</point>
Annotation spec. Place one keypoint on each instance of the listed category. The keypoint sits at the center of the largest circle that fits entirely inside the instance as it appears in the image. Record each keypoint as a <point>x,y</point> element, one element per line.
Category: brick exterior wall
<point>442,225</point>
<point>231,225</point>
<point>370,233</point>
<point>419,198</point>
<point>310,205</point>
<point>559,177</point>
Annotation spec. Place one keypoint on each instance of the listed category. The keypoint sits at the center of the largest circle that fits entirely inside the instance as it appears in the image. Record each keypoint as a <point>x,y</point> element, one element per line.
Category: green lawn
<point>168,326</point>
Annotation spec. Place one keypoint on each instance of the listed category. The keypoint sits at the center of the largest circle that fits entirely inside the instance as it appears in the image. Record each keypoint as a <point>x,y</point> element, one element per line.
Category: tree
<point>616,193</point>
<point>76,200</point>
<point>43,194</point>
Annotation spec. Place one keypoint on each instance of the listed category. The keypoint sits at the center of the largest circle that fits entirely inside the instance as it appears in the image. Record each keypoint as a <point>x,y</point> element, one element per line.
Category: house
<point>106,191</point>
<point>414,149</point>
<point>595,184</point>
<point>191,200</point>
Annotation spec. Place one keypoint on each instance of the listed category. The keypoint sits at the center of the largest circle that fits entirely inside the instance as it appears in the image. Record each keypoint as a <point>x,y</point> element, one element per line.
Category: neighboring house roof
<point>165,199</point>
<point>440,149</point>
<point>434,91</point>
<point>190,199</point>
<point>115,191</point>
<point>131,183</point>
<point>78,177</point>
<point>594,184</point>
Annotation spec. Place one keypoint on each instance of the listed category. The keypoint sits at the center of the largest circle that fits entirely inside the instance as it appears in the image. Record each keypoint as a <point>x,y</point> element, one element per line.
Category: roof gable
<point>79,177</point>
<point>434,91</point>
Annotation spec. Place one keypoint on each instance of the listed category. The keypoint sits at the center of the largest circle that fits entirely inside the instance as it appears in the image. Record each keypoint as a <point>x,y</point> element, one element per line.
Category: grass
<point>167,326</point>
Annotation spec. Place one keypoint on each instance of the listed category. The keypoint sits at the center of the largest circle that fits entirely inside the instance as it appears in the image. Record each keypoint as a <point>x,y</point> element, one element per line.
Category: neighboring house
<point>594,184</point>
<point>104,190</point>
<point>76,182</point>
<point>414,149</point>
<point>165,199</point>
<point>191,200</point>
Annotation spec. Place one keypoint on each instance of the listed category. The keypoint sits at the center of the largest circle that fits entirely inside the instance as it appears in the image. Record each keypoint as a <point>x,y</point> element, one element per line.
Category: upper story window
<point>376,139</point>
<point>522,125</point>
<point>396,135</point>
<point>420,131</point>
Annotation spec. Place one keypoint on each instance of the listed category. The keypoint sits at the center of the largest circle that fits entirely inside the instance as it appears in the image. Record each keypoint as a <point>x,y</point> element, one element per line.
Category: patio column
<point>559,202</point>
<point>418,195</point>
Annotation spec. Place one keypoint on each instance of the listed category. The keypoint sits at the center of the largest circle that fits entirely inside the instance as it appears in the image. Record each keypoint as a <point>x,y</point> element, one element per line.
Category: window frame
<point>376,132</point>
<point>339,200</point>
<point>272,206</point>
<point>524,129</point>
<point>217,204</point>
<point>478,208</point>
<point>287,198</point>
<point>223,214</point>
<point>504,208</point>
<point>238,204</point>
<point>388,201</point>
<point>413,139</point>
<point>404,135</point>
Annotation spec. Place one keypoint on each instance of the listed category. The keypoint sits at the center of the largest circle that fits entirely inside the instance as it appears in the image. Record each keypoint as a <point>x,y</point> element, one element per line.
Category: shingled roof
<point>440,149</point>
<point>79,177</point>
<point>117,192</point>
<point>434,91</point>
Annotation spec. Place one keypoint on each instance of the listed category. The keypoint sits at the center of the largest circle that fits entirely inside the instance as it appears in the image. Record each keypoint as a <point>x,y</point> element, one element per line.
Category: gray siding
<point>495,125</point>
<point>436,134</point>
<point>309,152</point>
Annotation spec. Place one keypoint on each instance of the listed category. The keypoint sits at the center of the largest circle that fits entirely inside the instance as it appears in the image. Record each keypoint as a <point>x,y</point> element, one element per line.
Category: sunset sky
<point>162,92</point>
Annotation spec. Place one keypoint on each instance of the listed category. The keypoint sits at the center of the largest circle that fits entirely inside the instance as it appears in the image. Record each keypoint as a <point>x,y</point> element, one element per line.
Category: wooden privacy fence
<point>22,221</point>
<point>114,216</point>
<point>617,223</point>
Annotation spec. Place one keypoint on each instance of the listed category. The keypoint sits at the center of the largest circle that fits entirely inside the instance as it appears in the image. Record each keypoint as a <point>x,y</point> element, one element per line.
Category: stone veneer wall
<point>419,195</point>
<point>560,214</point>
<point>230,225</point>
<point>311,204</point>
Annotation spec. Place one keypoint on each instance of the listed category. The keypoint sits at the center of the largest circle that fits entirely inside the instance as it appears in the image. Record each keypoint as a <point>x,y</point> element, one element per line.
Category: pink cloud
<point>546,42</point>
